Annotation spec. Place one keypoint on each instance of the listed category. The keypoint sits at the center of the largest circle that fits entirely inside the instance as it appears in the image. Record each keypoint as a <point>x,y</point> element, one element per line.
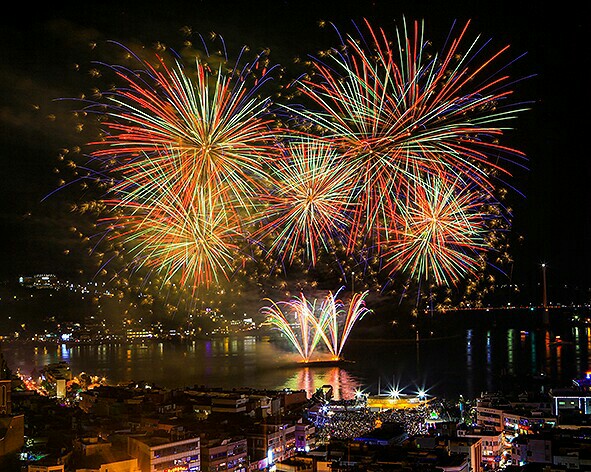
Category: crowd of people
<point>350,423</point>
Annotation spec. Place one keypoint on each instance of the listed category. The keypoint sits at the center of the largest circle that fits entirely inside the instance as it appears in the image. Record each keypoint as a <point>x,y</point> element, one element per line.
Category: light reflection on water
<point>475,360</point>
<point>310,379</point>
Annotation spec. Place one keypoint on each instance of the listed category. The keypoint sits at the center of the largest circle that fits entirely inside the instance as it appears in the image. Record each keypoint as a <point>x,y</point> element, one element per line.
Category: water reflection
<point>577,348</point>
<point>533,356</point>
<point>65,352</point>
<point>476,360</point>
<point>489,366</point>
<point>558,360</point>
<point>510,352</point>
<point>311,379</point>
<point>469,360</point>
<point>547,358</point>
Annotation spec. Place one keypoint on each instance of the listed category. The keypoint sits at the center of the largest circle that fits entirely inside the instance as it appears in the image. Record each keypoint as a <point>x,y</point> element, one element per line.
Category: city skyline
<point>551,216</point>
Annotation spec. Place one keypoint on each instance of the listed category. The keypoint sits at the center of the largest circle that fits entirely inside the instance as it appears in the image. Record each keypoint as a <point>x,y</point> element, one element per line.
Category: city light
<point>395,393</point>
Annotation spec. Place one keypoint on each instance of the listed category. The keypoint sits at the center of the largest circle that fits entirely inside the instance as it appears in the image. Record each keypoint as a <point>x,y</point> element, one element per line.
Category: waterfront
<point>467,361</point>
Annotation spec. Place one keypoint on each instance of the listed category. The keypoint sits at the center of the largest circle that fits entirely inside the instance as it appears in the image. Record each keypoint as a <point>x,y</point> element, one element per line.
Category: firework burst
<point>204,129</point>
<point>393,161</point>
<point>308,203</point>
<point>183,157</point>
<point>186,234</point>
<point>397,113</point>
<point>443,230</point>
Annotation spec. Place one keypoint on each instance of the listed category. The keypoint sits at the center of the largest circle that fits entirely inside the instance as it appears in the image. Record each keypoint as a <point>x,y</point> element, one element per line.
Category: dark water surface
<point>466,360</point>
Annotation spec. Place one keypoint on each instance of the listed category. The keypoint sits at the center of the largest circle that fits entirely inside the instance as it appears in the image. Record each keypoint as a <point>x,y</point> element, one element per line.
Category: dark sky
<point>40,46</point>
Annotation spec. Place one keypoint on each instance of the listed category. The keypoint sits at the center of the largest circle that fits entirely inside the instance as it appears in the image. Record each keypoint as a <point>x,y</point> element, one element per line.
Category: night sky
<point>40,46</point>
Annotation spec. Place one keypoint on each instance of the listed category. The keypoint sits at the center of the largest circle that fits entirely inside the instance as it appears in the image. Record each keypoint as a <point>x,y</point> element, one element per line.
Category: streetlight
<point>545,295</point>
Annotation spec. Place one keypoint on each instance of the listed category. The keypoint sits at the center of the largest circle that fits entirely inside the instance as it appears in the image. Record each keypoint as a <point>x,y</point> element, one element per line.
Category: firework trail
<point>336,321</point>
<point>206,129</point>
<point>404,152</point>
<point>308,202</point>
<point>173,233</point>
<point>184,154</point>
<point>330,322</point>
<point>398,113</point>
<point>443,231</point>
<point>297,321</point>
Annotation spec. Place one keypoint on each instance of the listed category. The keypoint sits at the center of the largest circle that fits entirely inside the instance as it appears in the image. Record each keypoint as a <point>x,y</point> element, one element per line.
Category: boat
<point>558,341</point>
<point>321,363</point>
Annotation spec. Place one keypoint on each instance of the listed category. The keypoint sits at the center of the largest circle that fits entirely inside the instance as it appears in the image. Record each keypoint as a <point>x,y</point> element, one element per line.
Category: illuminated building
<point>489,411</point>
<point>525,450</point>
<point>568,404</point>
<point>94,455</point>
<point>40,281</point>
<point>471,447</point>
<point>158,454</point>
<point>134,334</point>
<point>519,416</point>
<point>526,422</point>
<point>492,444</point>
<point>12,427</point>
<point>224,455</point>
<point>229,403</point>
<point>305,436</point>
<point>45,468</point>
<point>58,375</point>
<point>397,402</point>
<point>271,443</point>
